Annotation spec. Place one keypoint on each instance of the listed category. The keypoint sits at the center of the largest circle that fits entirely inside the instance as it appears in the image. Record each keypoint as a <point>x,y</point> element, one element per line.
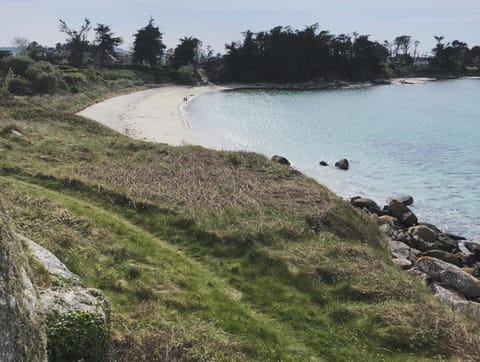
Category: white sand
<point>151,115</point>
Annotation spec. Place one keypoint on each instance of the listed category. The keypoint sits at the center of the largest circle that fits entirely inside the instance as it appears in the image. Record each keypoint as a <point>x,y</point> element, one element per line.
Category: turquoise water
<point>422,140</point>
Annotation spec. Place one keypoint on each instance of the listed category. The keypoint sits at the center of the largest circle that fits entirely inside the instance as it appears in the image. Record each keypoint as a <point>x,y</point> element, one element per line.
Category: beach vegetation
<point>105,44</point>
<point>208,255</point>
<point>187,52</point>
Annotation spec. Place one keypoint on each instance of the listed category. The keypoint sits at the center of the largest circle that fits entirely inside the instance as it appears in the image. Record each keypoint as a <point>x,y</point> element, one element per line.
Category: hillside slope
<point>210,255</point>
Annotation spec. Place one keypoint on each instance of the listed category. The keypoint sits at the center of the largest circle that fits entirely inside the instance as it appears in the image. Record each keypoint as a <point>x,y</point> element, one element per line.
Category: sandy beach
<point>152,115</point>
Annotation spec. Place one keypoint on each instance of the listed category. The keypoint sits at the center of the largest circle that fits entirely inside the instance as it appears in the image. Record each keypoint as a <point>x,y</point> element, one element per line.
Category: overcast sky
<point>217,22</point>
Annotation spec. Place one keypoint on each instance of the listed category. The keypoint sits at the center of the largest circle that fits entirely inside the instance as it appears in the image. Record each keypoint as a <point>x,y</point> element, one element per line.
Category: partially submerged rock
<point>281,160</point>
<point>450,275</point>
<point>407,200</point>
<point>342,164</point>
<point>323,163</point>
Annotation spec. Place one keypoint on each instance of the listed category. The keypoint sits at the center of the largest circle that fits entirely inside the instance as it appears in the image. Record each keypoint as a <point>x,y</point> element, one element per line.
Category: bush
<point>46,78</point>
<point>187,75</point>
<point>19,65</point>
<point>75,80</point>
<point>20,86</point>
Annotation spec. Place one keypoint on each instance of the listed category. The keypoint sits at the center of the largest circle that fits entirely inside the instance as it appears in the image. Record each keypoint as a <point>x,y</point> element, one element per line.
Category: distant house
<point>421,62</point>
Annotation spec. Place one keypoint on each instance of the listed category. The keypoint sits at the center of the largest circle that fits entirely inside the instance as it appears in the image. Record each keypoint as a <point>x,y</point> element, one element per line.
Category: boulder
<point>402,213</point>
<point>445,256</point>
<point>22,327</point>
<point>281,160</point>
<point>447,244</point>
<point>398,249</point>
<point>469,308</point>
<point>454,237</point>
<point>323,163</point>
<point>450,275</point>
<point>342,164</point>
<point>417,273</point>
<point>65,302</point>
<point>407,200</point>
<point>364,203</point>
<point>473,246</point>
<point>424,233</point>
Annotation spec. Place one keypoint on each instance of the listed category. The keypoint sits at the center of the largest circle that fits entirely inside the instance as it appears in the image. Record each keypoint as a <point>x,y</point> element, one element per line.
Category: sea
<point>419,139</point>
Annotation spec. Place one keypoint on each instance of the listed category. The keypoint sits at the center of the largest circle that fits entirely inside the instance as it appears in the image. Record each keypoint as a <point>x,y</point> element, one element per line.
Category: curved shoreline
<point>153,115</point>
<point>156,115</point>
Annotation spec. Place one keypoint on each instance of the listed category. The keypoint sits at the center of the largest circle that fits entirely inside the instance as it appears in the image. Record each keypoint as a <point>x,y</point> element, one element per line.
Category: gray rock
<point>323,163</point>
<point>22,328</point>
<point>67,294</point>
<point>370,205</point>
<point>281,160</point>
<point>400,253</point>
<point>407,200</point>
<point>424,233</point>
<point>342,164</point>
<point>402,213</point>
<point>445,256</point>
<point>471,309</point>
<point>473,246</point>
<point>450,275</point>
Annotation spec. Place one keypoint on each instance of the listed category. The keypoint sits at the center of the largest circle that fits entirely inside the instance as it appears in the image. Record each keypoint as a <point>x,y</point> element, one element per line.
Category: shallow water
<point>422,140</point>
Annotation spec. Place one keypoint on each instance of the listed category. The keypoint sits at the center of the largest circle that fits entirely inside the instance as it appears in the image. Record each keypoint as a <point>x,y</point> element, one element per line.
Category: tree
<point>415,48</point>
<point>105,44</point>
<point>187,52</point>
<point>77,43</point>
<point>148,45</point>
<point>402,43</point>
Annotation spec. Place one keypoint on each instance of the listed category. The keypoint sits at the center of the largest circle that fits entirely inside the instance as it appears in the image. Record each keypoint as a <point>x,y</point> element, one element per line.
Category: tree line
<point>281,54</point>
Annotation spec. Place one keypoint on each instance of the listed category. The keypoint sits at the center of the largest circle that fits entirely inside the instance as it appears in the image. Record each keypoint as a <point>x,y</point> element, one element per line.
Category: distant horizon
<point>216,23</point>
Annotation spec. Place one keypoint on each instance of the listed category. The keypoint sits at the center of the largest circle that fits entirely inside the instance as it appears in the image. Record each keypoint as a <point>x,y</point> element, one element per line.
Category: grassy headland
<point>209,255</point>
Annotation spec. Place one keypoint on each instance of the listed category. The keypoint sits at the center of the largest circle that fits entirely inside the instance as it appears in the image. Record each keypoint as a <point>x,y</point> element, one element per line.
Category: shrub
<point>19,65</point>
<point>187,74</point>
<point>20,86</point>
<point>46,78</point>
<point>77,336</point>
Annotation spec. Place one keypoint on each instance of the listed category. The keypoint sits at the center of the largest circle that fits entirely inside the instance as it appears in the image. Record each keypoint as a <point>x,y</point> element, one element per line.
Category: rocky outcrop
<point>281,160</point>
<point>456,301</point>
<point>72,311</point>
<point>22,328</point>
<point>448,263</point>
<point>342,164</point>
<point>450,275</point>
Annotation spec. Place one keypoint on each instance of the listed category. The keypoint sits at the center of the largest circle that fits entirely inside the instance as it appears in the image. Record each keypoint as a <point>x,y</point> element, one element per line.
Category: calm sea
<point>422,140</point>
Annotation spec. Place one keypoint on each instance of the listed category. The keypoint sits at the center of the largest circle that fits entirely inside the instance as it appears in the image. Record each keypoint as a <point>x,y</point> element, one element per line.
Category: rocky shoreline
<point>449,264</point>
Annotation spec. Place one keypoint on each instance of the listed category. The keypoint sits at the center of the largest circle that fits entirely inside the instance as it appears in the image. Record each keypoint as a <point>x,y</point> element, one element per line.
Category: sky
<point>217,22</point>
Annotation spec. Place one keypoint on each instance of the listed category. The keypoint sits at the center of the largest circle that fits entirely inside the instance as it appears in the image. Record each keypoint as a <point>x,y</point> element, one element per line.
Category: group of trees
<point>286,55</point>
<point>454,56</point>
<point>281,54</point>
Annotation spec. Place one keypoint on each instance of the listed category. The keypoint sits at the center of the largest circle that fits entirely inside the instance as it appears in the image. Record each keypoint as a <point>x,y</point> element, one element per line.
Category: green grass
<point>211,255</point>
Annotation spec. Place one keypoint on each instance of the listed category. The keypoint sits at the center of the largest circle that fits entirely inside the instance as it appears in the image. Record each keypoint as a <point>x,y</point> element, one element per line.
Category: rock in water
<point>450,275</point>
<point>323,163</point>
<point>281,160</point>
<point>342,164</point>
<point>407,200</point>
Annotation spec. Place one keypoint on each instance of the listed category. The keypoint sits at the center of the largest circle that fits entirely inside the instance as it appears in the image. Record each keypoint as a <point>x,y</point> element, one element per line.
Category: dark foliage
<point>148,46</point>
<point>286,55</point>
